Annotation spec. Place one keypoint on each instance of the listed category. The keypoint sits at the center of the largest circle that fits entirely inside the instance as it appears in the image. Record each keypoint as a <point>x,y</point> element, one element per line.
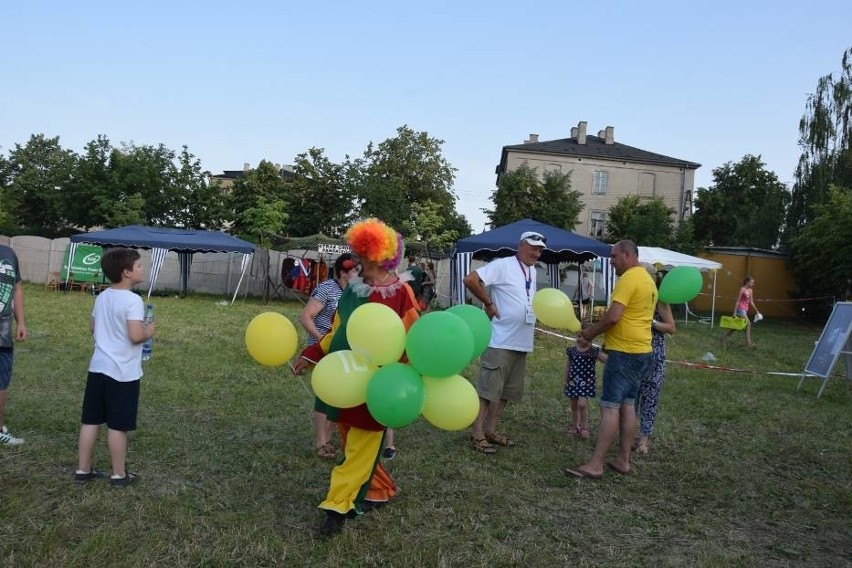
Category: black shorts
<point>110,401</point>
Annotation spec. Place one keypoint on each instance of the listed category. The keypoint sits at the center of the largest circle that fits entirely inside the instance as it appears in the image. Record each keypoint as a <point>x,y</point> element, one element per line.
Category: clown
<point>360,483</point>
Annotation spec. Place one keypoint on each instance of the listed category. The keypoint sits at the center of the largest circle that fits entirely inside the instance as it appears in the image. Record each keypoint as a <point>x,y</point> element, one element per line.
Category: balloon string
<point>307,390</point>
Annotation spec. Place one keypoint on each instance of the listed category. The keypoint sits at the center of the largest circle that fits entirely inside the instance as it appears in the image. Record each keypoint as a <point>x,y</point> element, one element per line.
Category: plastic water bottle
<point>149,343</point>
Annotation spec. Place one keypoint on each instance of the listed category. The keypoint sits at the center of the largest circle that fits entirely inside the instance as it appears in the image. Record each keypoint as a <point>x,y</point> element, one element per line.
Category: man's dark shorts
<point>622,374</point>
<point>7,356</point>
<point>110,401</point>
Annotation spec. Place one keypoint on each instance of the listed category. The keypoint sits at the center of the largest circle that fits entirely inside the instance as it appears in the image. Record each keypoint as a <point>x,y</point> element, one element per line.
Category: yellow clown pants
<point>360,476</point>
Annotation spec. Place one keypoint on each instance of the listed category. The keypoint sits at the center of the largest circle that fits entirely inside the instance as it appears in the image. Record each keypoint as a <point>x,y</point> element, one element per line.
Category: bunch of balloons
<point>438,346</point>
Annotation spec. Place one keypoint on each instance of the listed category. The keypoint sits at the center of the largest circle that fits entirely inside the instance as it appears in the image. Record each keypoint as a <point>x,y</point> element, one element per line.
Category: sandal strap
<point>482,445</point>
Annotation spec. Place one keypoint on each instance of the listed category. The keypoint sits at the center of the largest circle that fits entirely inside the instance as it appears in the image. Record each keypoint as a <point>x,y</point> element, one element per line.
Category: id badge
<point>530,315</point>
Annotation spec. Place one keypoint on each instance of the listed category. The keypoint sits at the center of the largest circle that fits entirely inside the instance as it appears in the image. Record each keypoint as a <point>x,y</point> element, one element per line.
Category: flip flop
<point>581,473</point>
<point>617,469</point>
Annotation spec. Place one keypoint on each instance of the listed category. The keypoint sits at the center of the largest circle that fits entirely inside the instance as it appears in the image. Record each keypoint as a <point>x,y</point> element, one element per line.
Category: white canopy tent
<point>670,259</point>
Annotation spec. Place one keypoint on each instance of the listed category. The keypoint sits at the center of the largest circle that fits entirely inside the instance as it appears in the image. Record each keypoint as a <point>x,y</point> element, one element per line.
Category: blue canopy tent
<point>562,246</point>
<point>160,240</point>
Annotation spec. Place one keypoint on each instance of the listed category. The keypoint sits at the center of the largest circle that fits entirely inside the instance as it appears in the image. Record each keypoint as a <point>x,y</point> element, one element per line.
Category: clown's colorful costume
<point>360,479</point>
<point>360,476</point>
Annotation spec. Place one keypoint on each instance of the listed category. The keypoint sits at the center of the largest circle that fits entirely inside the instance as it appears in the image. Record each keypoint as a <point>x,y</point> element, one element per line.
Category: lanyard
<point>527,275</point>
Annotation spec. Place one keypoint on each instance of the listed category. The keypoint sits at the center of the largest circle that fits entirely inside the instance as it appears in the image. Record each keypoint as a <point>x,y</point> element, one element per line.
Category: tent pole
<point>240,281</point>
<point>713,301</point>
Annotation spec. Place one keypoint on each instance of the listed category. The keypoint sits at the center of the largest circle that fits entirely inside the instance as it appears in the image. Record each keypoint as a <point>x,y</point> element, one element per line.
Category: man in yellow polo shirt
<point>626,326</point>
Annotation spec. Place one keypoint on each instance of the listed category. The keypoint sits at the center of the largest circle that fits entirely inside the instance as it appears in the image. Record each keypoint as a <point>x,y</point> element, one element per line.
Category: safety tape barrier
<point>703,366</point>
<point>776,300</point>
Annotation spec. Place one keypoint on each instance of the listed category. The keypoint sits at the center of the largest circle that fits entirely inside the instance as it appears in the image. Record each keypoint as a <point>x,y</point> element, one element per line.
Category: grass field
<point>744,470</point>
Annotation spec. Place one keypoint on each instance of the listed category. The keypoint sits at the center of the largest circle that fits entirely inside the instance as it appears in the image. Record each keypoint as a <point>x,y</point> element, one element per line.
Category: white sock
<point>80,471</point>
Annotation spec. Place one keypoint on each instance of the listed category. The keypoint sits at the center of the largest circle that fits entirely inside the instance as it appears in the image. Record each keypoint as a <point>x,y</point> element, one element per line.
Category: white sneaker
<point>7,438</point>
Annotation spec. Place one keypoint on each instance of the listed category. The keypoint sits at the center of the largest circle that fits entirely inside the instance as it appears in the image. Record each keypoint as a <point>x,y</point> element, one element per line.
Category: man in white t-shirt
<point>506,287</point>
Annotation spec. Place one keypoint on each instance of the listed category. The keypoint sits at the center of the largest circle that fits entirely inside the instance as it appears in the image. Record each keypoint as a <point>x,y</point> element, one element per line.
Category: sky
<point>239,82</point>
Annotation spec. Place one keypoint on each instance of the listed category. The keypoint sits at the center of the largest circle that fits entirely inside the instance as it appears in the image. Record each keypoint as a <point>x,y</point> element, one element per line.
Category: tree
<point>684,238</point>
<point>264,220</point>
<point>258,203</point>
<point>321,194</point>
<point>521,194</point>
<point>147,172</point>
<point>824,136</point>
<point>821,251</point>
<point>37,177</point>
<point>645,222</point>
<point>197,204</point>
<point>92,194</point>
<point>430,227</point>
<point>399,172</point>
<point>745,206</point>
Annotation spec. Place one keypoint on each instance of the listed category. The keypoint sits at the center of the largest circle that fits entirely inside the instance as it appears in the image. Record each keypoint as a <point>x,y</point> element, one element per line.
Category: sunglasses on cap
<point>534,239</point>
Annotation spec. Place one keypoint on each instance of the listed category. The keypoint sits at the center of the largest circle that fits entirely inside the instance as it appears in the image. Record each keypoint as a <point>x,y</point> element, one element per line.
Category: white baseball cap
<point>534,239</point>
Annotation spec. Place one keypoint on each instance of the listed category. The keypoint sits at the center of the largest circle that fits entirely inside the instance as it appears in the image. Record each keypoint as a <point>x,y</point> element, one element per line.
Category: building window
<point>647,181</point>
<point>597,224</point>
<point>600,182</point>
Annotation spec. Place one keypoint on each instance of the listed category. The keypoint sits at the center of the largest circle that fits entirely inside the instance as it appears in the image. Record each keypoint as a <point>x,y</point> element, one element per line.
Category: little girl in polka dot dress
<point>580,383</point>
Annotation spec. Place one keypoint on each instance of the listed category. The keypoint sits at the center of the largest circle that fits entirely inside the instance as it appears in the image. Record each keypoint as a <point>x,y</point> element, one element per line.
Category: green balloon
<point>395,395</point>
<point>681,285</point>
<point>478,323</point>
<point>439,344</point>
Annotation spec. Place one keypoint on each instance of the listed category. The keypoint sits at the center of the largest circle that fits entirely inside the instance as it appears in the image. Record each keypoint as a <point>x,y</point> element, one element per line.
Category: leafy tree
<point>264,220</point>
<point>91,194</point>
<point>745,206</point>
<point>197,204</point>
<point>684,238</point>
<point>321,194</point>
<point>821,251</point>
<point>824,136</point>
<point>147,171</point>
<point>37,177</point>
<point>646,222</point>
<point>521,194</point>
<point>399,172</point>
<point>430,227</point>
<point>6,225</point>
<point>258,202</point>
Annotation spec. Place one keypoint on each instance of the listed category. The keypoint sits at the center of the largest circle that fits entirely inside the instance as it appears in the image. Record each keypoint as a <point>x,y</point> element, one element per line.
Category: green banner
<point>86,265</point>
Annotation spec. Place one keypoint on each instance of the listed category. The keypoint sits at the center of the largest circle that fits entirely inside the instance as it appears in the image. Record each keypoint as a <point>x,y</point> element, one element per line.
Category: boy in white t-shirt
<point>112,387</point>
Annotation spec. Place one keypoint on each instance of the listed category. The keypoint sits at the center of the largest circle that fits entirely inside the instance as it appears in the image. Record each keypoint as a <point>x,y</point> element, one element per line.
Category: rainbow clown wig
<point>374,241</point>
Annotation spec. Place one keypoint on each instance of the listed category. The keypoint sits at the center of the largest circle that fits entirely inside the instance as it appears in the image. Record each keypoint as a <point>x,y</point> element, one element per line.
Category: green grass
<point>744,470</point>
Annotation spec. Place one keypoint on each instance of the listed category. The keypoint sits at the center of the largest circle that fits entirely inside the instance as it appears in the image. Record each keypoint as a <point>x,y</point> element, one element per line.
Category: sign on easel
<point>835,340</point>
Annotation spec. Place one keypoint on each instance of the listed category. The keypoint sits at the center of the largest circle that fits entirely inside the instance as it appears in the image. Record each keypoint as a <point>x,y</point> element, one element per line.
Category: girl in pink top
<point>744,301</point>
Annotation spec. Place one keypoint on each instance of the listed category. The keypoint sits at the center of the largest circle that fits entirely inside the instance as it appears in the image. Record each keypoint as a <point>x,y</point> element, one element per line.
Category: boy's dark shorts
<point>110,401</point>
<point>7,356</point>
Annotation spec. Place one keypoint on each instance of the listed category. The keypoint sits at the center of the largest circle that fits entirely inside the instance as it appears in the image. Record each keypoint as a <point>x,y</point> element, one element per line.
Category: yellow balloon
<point>271,339</point>
<point>376,332</point>
<point>553,308</point>
<point>340,379</point>
<point>451,402</point>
